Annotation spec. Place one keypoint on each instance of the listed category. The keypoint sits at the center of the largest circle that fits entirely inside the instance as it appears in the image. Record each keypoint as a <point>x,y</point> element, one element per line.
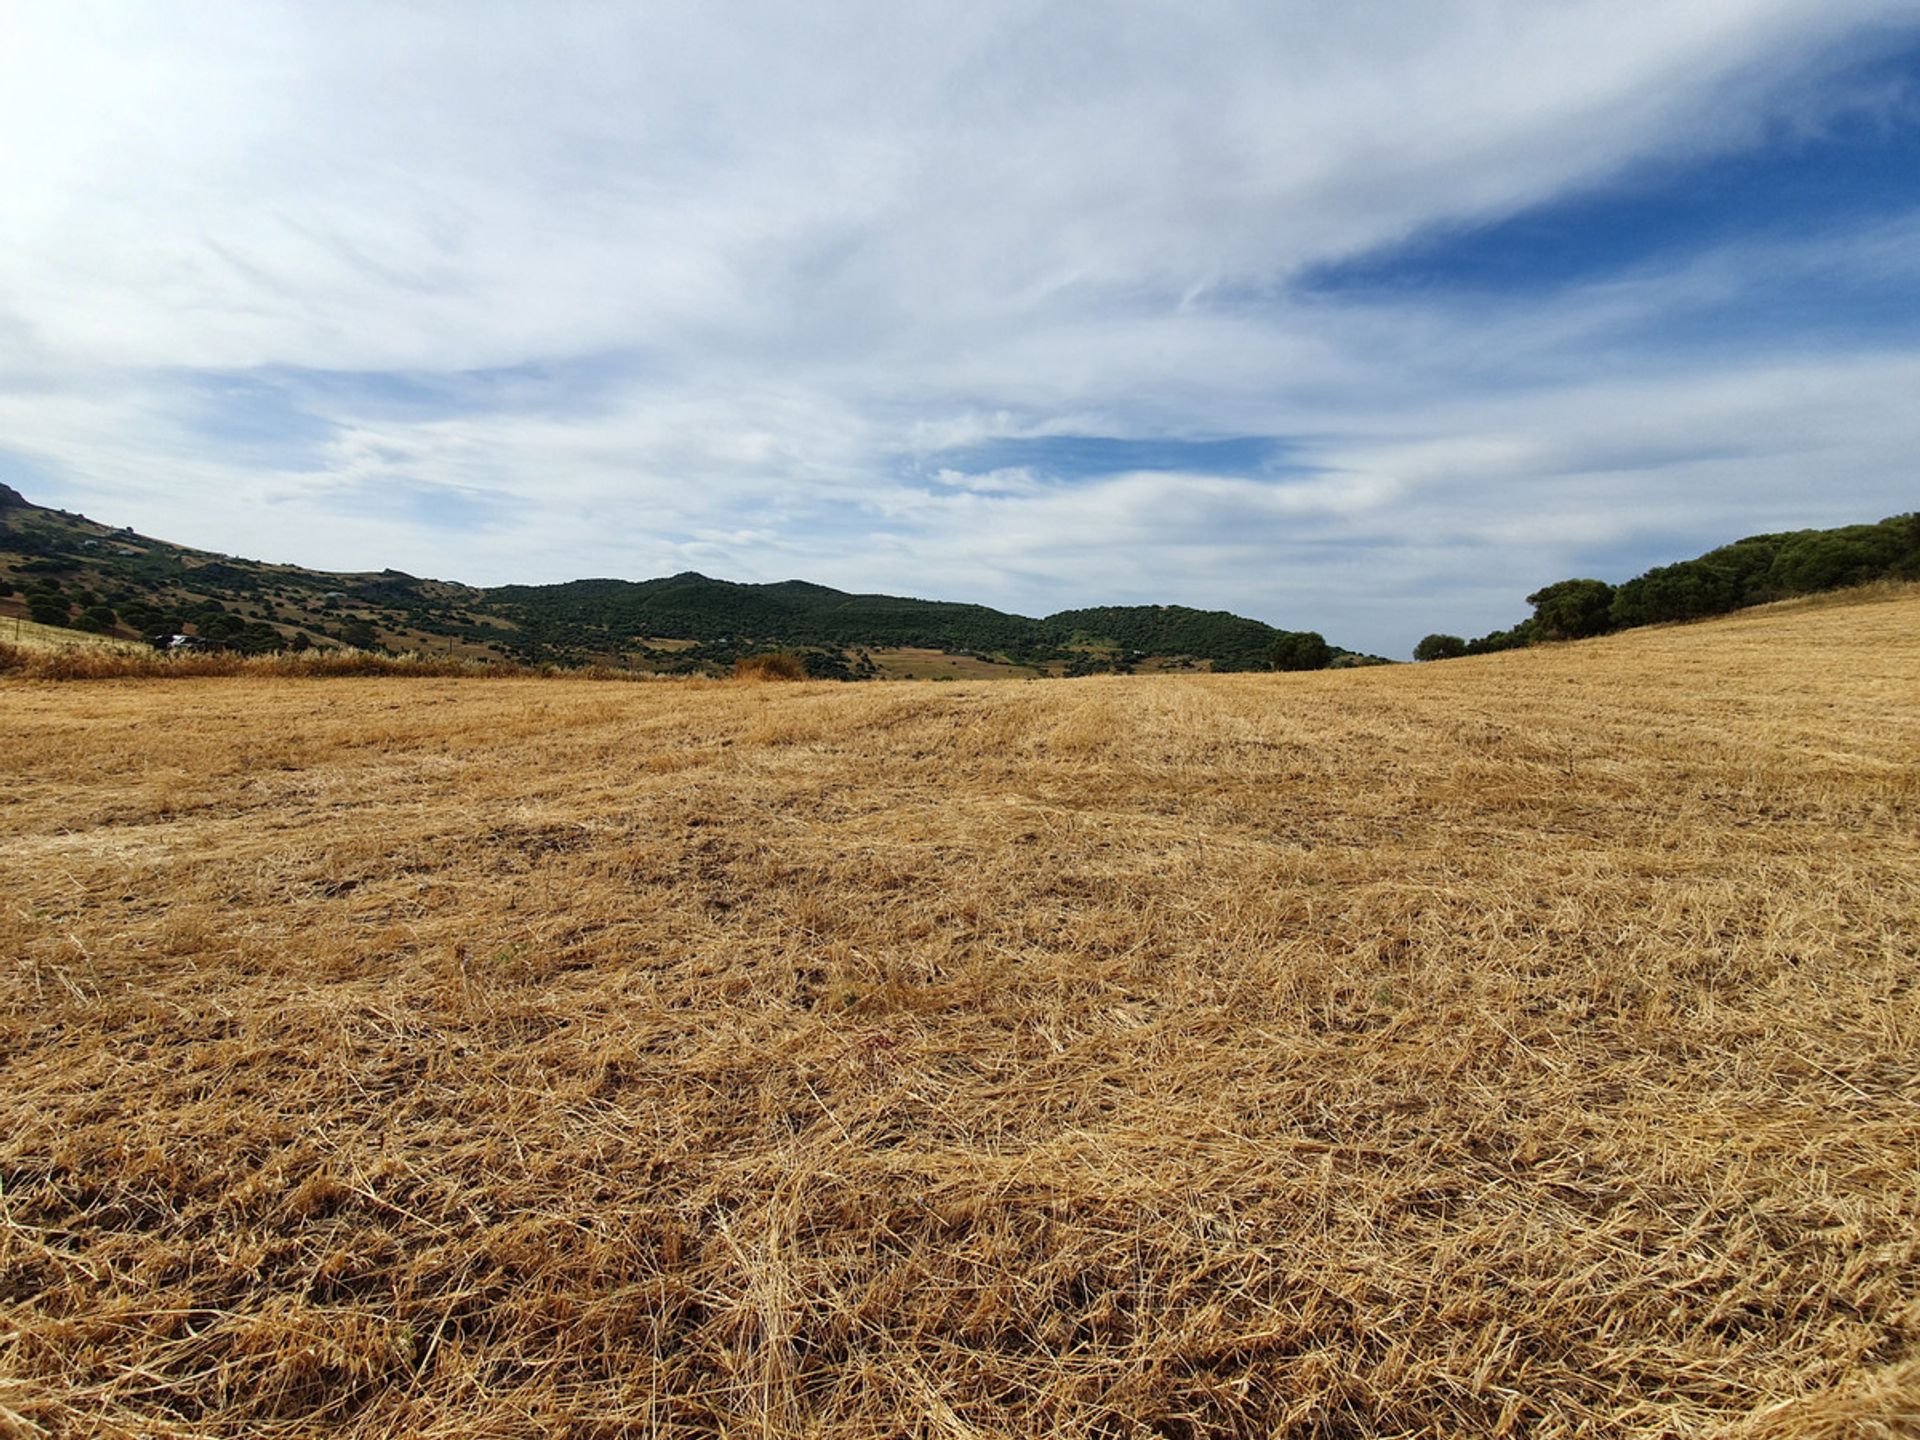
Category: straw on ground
<point>1514,1046</point>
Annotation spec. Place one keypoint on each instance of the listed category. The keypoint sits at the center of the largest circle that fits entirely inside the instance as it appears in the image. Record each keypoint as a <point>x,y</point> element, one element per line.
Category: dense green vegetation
<point>589,616</point>
<point>70,571</point>
<point>1440,647</point>
<point>1231,642</point>
<point>610,614</point>
<point>73,571</point>
<point>1753,571</point>
<point>1300,650</point>
<point>1771,567</point>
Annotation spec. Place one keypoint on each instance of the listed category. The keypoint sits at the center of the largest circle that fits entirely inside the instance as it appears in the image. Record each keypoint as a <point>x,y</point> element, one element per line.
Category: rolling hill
<point>66,569</point>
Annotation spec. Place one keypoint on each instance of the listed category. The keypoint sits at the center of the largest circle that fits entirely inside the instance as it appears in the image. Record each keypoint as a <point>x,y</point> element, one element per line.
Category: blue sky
<point>1849,167</point>
<point>1368,319</point>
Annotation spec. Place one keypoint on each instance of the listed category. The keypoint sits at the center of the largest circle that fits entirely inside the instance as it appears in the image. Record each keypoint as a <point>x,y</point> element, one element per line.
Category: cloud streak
<point>508,295</point>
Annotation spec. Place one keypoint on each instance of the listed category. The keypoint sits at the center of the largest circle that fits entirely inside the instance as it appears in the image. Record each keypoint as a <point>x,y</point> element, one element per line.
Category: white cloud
<point>781,255</point>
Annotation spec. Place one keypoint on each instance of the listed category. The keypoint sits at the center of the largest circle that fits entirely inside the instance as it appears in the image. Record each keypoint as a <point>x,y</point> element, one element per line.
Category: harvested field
<point>1518,1046</point>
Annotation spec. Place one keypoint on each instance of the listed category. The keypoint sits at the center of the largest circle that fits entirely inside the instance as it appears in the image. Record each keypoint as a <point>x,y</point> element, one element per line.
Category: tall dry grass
<point>121,661</point>
<point>1521,1046</point>
<point>775,666</point>
<point>20,633</point>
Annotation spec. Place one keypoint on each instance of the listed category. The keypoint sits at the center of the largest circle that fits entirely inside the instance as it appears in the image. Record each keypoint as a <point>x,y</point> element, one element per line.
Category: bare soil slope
<point>1517,1046</point>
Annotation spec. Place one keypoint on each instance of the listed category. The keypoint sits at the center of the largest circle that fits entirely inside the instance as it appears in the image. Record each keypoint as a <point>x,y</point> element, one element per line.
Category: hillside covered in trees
<point>591,615</point>
<point>63,569</point>
<point>1753,571</point>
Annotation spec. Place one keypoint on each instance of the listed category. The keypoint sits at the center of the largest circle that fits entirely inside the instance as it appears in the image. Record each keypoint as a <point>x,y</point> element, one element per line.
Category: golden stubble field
<point>1518,1046</point>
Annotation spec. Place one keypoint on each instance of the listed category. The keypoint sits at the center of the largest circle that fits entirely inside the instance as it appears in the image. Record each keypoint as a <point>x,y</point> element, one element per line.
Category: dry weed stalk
<point>775,666</point>
<point>131,662</point>
<point>1521,1046</point>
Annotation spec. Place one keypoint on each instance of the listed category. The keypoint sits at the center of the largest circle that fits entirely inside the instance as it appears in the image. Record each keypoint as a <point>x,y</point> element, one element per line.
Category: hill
<point>1758,570</point>
<point>1518,1046</point>
<point>68,570</point>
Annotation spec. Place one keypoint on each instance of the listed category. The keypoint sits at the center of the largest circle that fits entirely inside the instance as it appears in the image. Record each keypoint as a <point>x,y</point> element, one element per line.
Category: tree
<point>1829,559</point>
<point>1684,591</point>
<point>1518,638</point>
<point>1572,609</point>
<point>827,665</point>
<point>1440,647</point>
<point>1299,650</point>
<point>48,609</point>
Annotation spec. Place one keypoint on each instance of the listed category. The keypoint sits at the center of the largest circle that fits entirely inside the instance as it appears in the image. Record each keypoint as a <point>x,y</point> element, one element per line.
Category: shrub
<point>1440,647</point>
<point>1299,650</point>
<point>44,609</point>
<point>828,665</point>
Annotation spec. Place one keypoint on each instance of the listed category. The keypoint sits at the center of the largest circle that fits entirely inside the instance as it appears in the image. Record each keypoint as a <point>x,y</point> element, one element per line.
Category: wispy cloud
<point>985,300</point>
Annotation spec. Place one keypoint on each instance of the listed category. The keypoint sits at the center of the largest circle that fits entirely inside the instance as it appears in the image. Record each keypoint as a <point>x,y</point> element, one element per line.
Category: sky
<point>1368,318</point>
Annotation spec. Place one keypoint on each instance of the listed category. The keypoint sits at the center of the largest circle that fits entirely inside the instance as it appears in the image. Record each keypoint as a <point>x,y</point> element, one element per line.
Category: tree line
<point>724,617</point>
<point>1753,571</point>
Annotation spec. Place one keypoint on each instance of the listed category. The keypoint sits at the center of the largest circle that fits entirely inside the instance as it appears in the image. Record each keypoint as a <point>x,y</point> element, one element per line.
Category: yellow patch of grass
<point>19,631</point>
<point>1523,1045</point>
<point>911,662</point>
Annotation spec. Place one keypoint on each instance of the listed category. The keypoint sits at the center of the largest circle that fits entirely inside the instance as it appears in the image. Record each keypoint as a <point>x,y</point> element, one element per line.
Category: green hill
<point>65,569</point>
<point>1753,571</point>
<point>597,613</point>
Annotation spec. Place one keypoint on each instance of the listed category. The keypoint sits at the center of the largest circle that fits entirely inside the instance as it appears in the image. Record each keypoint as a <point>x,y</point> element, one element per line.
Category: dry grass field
<point>1520,1046</point>
<point>19,631</point>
